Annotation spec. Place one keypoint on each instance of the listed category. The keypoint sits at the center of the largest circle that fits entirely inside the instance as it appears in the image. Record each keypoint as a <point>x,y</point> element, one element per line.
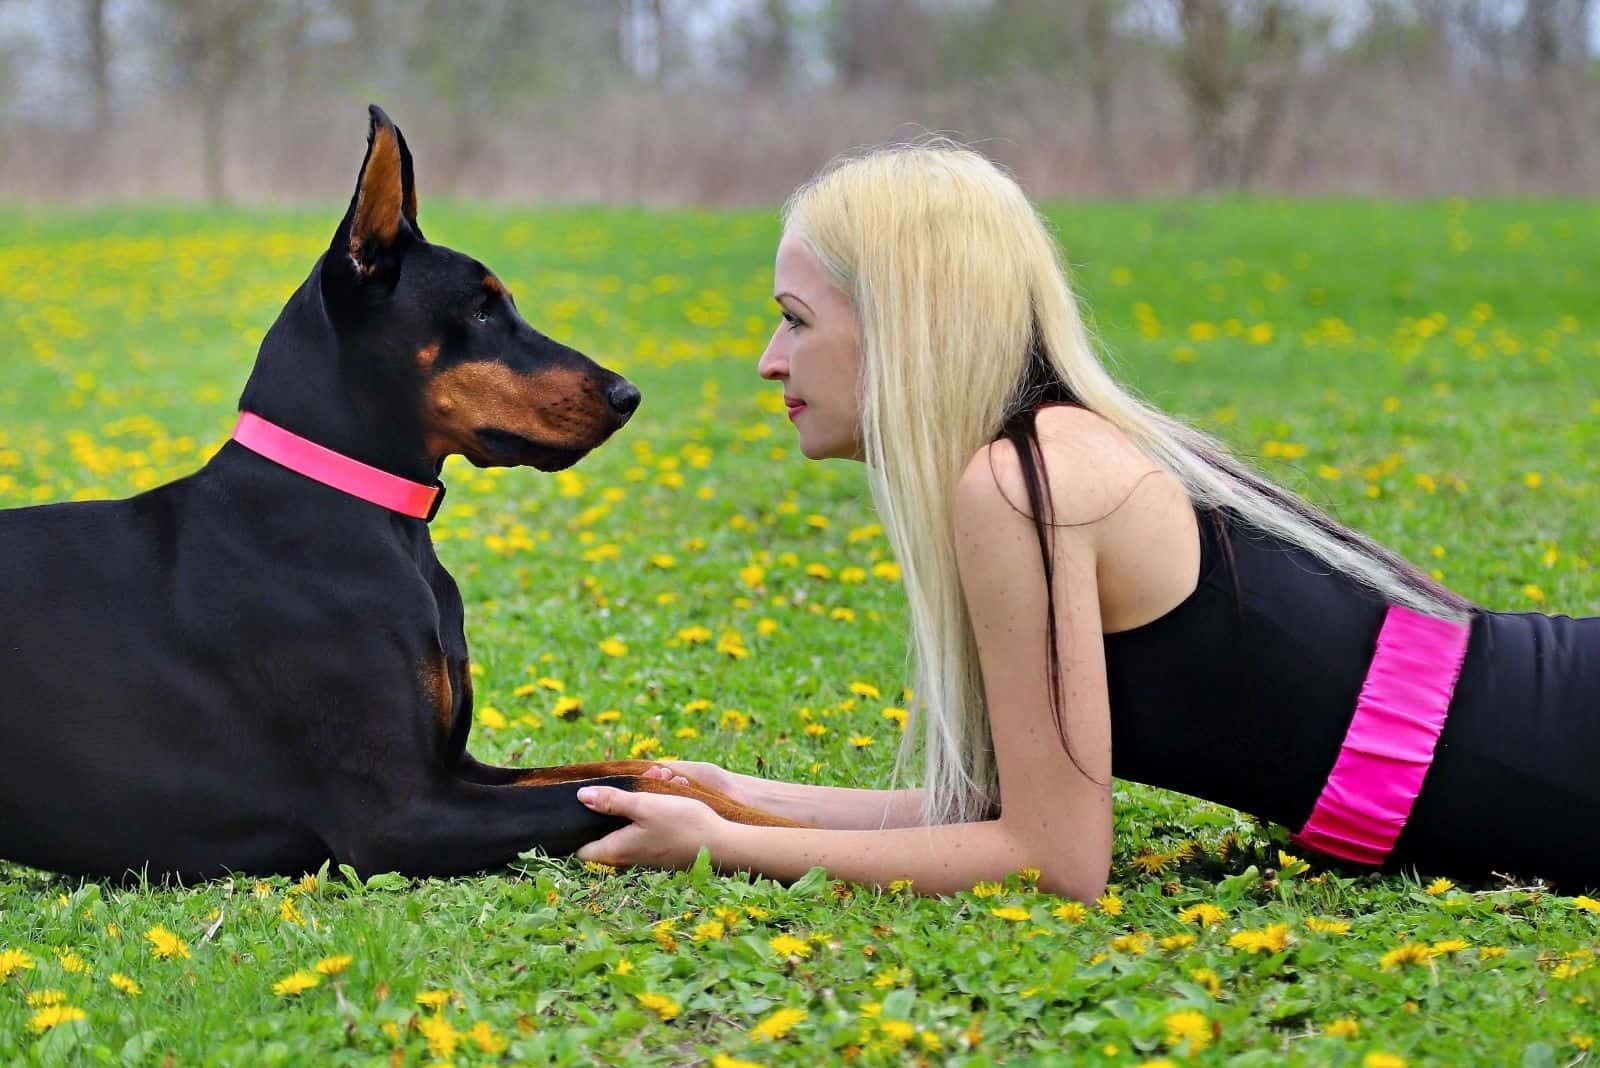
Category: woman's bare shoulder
<point>1091,464</point>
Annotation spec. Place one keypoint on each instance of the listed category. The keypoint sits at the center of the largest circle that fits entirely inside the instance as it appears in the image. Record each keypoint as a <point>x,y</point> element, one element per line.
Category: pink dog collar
<point>321,464</point>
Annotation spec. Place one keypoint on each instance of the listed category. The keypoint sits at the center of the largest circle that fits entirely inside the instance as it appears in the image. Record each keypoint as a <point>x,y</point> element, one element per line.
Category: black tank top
<point>1243,692</point>
<point>1242,695</point>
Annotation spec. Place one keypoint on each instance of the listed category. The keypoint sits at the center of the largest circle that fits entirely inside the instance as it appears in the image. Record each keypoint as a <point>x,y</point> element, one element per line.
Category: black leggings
<point>1514,787</point>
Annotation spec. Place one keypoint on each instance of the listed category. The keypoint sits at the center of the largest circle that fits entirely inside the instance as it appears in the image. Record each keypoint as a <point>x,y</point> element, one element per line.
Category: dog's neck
<point>303,382</point>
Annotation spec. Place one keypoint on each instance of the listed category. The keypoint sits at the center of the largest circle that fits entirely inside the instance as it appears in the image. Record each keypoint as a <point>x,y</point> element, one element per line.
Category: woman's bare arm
<point>1055,810</point>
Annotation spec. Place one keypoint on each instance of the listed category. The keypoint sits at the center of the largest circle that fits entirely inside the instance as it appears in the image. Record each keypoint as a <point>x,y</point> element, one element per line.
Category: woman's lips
<point>795,407</point>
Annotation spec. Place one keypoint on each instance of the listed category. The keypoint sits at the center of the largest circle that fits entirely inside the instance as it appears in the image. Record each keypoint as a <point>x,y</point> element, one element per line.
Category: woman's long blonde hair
<point>962,294</point>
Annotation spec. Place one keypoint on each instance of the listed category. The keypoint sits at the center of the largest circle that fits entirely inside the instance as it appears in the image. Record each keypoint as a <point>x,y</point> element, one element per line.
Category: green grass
<point>1428,372</point>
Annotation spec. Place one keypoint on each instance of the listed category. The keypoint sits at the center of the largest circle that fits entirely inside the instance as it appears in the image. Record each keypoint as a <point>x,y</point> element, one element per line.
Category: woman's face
<point>816,354</point>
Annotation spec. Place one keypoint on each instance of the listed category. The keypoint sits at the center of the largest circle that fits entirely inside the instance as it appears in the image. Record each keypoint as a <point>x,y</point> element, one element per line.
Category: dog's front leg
<point>462,827</point>
<point>720,803</point>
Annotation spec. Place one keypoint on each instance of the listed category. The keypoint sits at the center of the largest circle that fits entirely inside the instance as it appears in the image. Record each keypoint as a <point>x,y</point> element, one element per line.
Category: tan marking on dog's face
<point>495,286</point>
<point>427,354</point>
<point>559,409</point>
<point>436,689</point>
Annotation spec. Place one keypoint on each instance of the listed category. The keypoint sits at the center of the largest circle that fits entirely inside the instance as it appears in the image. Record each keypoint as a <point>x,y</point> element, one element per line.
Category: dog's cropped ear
<point>382,218</point>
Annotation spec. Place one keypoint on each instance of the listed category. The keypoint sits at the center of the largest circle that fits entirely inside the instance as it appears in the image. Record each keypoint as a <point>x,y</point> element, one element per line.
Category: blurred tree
<point>1237,62</point>
<point>763,45</point>
<point>882,42</point>
<point>483,67</point>
<point>97,59</point>
<point>213,46</point>
<point>1075,47</point>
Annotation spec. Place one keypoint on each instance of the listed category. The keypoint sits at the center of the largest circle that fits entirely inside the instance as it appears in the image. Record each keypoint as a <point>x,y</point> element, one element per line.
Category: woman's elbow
<point>1077,885</point>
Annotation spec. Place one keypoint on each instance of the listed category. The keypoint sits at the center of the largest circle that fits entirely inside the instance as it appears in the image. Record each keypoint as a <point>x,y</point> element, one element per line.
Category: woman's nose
<point>773,365</point>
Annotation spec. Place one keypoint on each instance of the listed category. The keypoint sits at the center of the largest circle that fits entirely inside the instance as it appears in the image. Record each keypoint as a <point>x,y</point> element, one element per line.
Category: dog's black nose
<point>624,397</point>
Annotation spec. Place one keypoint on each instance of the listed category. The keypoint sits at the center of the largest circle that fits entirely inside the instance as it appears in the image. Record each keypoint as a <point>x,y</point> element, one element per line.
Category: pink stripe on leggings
<point>1389,745</point>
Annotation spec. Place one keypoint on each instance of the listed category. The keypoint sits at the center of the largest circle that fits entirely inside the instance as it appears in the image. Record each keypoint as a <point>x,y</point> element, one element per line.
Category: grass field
<point>1431,373</point>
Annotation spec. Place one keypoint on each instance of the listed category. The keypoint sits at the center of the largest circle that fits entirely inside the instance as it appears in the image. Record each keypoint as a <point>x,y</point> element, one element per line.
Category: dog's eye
<point>481,315</point>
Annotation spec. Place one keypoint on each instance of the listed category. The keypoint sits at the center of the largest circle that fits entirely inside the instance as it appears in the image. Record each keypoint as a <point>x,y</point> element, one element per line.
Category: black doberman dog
<point>248,670</point>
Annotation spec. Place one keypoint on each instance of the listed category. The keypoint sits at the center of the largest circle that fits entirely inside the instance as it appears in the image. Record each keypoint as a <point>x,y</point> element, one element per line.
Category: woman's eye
<point>792,319</point>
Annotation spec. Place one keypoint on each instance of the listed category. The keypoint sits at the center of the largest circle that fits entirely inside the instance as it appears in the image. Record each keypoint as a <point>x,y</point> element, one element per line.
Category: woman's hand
<point>666,832</point>
<point>711,776</point>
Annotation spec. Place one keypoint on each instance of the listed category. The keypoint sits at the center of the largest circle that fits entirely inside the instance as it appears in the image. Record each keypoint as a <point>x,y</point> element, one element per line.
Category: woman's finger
<point>609,800</point>
<point>608,850</point>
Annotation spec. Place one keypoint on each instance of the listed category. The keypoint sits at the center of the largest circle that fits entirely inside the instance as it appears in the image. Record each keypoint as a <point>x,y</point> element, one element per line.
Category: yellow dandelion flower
<point>898,1031</point>
<point>45,997</point>
<point>1274,938</point>
<point>288,912</point>
<point>1153,863</point>
<point>1586,903</point>
<point>789,946</point>
<point>1321,926</point>
<point>1440,886</point>
<point>777,1024</point>
<point>1408,953</point>
<point>296,983</point>
<point>722,1060</point>
<point>1070,911</point>
<point>865,689</point>
<point>1208,979</point>
<point>1137,943</point>
<point>709,931</point>
<point>54,1016</point>
<point>1110,904</point>
<point>1189,1026</point>
<point>899,886</point>
<point>613,646</point>
<point>660,1004</point>
<point>333,965</point>
<point>483,1036</point>
<point>1345,1027</point>
<point>982,889</point>
<point>1177,941</point>
<point>164,945</point>
<point>1377,1059</point>
<point>70,961</point>
<point>441,1035</point>
<point>1491,952</point>
<point>12,960</point>
<point>124,984</point>
<point>887,570</point>
<point>434,999</point>
<point>1013,913</point>
<point>1449,946</point>
<point>1204,914</point>
<point>860,741</point>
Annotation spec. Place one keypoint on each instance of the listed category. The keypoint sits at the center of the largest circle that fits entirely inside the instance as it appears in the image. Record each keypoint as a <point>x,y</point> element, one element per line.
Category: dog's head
<point>427,320</point>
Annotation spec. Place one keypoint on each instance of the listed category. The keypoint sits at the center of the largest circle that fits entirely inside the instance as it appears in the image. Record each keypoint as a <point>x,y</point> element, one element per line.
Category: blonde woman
<point>1096,588</point>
